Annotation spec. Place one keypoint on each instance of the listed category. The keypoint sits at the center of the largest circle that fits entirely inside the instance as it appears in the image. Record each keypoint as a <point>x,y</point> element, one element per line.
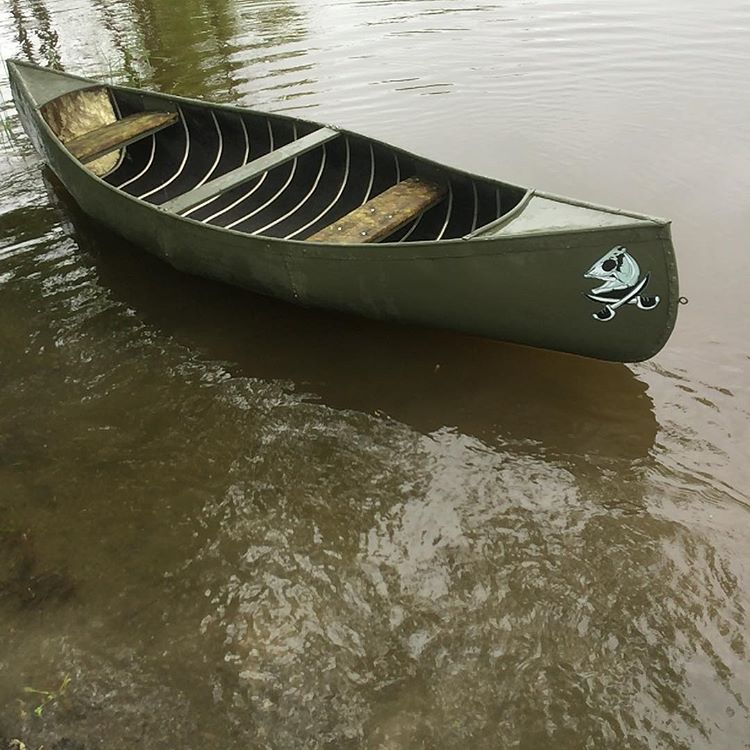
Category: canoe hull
<point>529,289</point>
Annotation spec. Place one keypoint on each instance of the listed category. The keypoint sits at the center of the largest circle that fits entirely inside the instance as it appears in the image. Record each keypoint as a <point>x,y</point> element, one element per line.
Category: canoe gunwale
<point>177,100</point>
<point>479,245</point>
<point>423,250</point>
<point>481,235</point>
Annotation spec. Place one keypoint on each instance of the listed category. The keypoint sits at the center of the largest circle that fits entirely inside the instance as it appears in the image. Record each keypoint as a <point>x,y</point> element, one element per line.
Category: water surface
<point>234,523</point>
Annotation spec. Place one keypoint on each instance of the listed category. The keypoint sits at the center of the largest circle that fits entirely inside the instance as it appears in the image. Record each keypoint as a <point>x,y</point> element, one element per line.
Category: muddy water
<point>232,523</point>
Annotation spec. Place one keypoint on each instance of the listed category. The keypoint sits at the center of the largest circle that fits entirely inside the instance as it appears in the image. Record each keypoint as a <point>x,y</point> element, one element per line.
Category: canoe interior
<point>297,198</point>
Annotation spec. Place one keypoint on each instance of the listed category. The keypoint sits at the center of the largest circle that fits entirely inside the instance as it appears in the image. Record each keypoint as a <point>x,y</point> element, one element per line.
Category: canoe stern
<point>532,289</point>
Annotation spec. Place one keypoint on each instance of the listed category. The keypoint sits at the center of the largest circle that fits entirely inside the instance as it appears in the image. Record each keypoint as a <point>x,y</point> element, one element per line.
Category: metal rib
<point>218,152</point>
<point>273,198</point>
<point>476,206</point>
<point>447,213</point>
<point>140,174</point>
<point>412,228</point>
<point>121,157</point>
<point>418,219</point>
<point>372,175</point>
<point>249,193</point>
<point>182,165</point>
<point>247,142</point>
<point>333,202</point>
<point>213,168</point>
<point>301,203</point>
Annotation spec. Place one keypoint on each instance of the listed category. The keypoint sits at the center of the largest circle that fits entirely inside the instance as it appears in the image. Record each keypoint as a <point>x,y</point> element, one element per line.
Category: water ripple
<point>239,524</point>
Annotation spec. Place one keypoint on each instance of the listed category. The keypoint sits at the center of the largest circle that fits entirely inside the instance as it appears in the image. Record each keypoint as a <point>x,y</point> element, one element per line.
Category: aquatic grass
<point>17,744</point>
<point>48,697</point>
<point>7,129</point>
<point>117,74</point>
<point>110,74</point>
<point>3,117</point>
<point>5,120</point>
<point>5,123</point>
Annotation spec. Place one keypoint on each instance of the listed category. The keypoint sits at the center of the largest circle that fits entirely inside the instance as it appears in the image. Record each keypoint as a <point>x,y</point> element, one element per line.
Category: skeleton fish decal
<point>622,285</point>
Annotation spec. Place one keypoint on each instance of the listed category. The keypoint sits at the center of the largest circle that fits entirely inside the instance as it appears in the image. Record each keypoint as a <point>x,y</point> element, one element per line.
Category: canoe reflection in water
<point>555,403</point>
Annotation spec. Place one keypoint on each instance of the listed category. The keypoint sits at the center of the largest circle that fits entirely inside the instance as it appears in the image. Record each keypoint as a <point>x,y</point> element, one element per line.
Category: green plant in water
<point>7,130</point>
<point>48,696</point>
<point>4,121</point>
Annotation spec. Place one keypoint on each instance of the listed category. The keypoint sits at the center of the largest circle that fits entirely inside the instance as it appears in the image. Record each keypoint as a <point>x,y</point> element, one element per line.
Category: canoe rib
<point>116,135</point>
<point>384,214</point>
<point>214,188</point>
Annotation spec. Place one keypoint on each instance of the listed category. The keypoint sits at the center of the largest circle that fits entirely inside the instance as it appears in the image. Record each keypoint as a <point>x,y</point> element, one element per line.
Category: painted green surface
<point>525,288</point>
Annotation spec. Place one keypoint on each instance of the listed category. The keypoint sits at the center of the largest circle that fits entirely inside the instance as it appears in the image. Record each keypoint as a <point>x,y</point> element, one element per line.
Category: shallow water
<point>235,523</point>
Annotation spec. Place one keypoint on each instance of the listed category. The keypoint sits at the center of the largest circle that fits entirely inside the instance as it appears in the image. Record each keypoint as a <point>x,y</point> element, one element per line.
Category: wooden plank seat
<point>214,188</point>
<point>383,214</point>
<point>118,134</point>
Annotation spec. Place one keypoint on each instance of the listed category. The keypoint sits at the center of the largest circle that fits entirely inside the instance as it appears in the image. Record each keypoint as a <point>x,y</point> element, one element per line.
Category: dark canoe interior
<point>299,197</point>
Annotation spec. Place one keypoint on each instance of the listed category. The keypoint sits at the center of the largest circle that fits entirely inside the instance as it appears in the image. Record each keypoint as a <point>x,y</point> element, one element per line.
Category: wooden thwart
<point>271,160</point>
<point>383,214</point>
<point>118,134</point>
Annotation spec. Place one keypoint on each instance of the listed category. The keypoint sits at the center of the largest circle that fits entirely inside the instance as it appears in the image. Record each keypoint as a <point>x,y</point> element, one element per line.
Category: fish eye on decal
<point>609,265</point>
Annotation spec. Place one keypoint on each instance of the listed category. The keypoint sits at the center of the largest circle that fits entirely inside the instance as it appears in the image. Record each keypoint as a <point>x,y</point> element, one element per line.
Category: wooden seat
<point>108,138</point>
<point>384,214</point>
<point>214,188</point>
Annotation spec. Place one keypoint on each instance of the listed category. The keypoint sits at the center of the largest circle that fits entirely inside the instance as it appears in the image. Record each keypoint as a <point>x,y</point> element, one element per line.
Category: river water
<point>227,522</point>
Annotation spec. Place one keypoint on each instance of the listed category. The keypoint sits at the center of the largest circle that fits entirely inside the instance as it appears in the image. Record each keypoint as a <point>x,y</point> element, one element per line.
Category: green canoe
<point>324,217</point>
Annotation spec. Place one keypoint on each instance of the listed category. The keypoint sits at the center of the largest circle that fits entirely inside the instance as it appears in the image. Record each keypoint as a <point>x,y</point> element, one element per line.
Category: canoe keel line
<point>324,217</point>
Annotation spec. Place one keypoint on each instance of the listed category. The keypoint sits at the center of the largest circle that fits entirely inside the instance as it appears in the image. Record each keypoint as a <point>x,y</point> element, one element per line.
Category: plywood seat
<point>382,215</point>
<point>108,138</point>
